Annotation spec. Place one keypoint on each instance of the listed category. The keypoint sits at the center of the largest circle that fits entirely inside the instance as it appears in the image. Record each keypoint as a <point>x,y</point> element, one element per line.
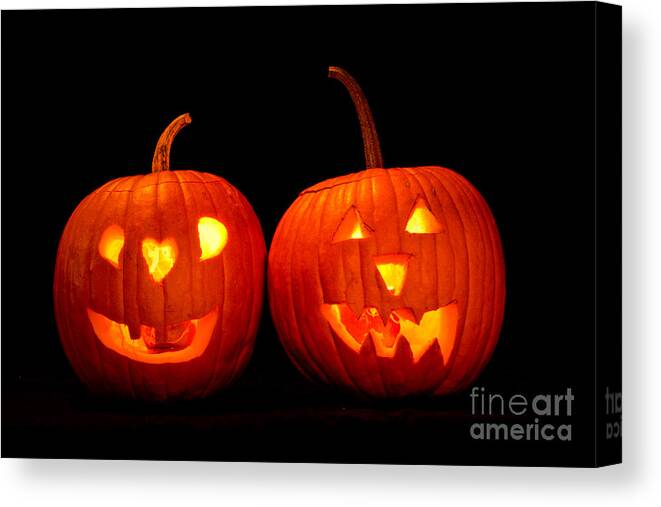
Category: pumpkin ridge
<point>355,291</point>
<point>142,375</point>
<point>189,247</point>
<point>125,364</point>
<point>430,174</point>
<point>420,190</point>
<point>72,226</point>
<point>370,265</point>
<point>220,325</point>
<point>499,274</point>
<point>159,220</point>
<point>90,251</point>
<point>394,196</point>
<point>282,256</point>
<point>255,307</point>
<point>485,325</point>
<point>390,191</point>
<point>368,344</point>
<point>461,323</point>
<point>133,374</point>
<point>494,327</point>
<point>301,343</point>
<point>341,366</point>
<point>423,183</point>
<point>465,189</point>
<point>235,355</point>
<point>496,253</point>
<point>322,206</point>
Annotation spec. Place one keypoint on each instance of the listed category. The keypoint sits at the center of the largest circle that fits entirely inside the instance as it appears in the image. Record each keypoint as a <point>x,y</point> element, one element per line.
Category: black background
<point>502,93</point>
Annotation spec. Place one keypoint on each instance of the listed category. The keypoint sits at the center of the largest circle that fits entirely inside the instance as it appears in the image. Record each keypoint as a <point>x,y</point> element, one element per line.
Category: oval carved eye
<point>352,226</point>
<point>111,244</point>
<point>422,220</point>
<point>213,237</point>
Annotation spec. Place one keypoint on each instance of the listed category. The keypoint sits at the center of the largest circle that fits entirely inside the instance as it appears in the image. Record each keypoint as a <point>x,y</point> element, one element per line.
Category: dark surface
<point>609,230</point>
<point>502,93</point>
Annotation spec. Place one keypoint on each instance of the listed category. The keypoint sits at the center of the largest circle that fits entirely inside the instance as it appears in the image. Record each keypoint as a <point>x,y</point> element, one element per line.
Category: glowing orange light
<point>421,220</point>
<point>357,232</point>
<point>351,227</point>
<point>392,269</point>
<point>160,257</point>
<point>116,336</point>
<point>435,325</point>
<point>213,237</point>
<point>111,244</point>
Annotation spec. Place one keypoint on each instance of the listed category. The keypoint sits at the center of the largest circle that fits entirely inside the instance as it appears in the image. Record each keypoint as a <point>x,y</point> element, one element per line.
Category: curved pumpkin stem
<point>161,161</point>
<point>371,146</point>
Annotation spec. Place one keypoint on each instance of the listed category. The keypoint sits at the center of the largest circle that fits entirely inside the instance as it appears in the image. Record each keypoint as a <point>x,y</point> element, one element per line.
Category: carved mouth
<point>435,325</point>
<point>180,342</point>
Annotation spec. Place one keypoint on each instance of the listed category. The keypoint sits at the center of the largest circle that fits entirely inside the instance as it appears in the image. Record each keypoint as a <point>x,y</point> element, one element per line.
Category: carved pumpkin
<point>389,282</point>
<point>159,282</point>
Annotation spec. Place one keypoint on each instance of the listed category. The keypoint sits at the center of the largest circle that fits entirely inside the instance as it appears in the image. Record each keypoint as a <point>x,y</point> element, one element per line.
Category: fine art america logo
<point>542,414</point>
<point>613,414</point>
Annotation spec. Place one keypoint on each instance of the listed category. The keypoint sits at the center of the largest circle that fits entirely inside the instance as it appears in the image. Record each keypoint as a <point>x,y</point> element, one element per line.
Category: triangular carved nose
<point>392,269</point>
<point>160,257</point>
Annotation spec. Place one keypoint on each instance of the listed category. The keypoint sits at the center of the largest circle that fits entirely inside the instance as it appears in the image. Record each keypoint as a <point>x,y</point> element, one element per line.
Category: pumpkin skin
<point>347,319</point>
<point>183,331</point>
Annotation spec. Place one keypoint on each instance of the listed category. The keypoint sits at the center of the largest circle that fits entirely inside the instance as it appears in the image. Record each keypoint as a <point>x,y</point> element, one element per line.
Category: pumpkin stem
<point>371,146</point>
<point>161,161</point>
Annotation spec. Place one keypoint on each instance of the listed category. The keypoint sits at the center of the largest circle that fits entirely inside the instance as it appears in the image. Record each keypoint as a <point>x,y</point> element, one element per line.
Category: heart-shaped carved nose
<point>160,257</point>
<point>392,269</point>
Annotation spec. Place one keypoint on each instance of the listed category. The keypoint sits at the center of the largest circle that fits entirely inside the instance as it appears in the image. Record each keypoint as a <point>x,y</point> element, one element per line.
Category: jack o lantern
<point>389,282</point>
<point>159,282</point>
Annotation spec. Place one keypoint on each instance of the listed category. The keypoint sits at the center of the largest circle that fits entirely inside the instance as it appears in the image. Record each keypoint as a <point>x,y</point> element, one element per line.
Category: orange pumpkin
<point>389,282</point>
<point>159,282</point>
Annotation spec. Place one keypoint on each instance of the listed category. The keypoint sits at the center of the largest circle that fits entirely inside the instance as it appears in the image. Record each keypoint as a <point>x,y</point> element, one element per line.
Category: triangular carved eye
<point>352,227</point>
<point>422,220</point>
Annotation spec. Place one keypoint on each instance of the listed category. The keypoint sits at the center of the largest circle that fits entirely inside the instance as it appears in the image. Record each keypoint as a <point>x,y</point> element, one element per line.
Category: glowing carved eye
<point>352,227</point>
<point>111,244</point>
<point>213,237</point>
<point>421,220</point>
<point>160,257</point>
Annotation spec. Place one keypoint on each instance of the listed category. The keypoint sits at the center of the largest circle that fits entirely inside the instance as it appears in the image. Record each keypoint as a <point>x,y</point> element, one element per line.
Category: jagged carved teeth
<point>434,325</point>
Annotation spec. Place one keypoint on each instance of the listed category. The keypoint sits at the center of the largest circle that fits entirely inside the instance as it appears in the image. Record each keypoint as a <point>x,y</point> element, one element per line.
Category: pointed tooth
<point>415,315</point>
<point>392,330</point>
<point>432,367</point>
<point>373,320</point>
<point>356,307</point>
<point>368,348</point>
<point>406,314</point>
<point>432,354</point>
<point>403,351</point>
<point>385,310</point>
